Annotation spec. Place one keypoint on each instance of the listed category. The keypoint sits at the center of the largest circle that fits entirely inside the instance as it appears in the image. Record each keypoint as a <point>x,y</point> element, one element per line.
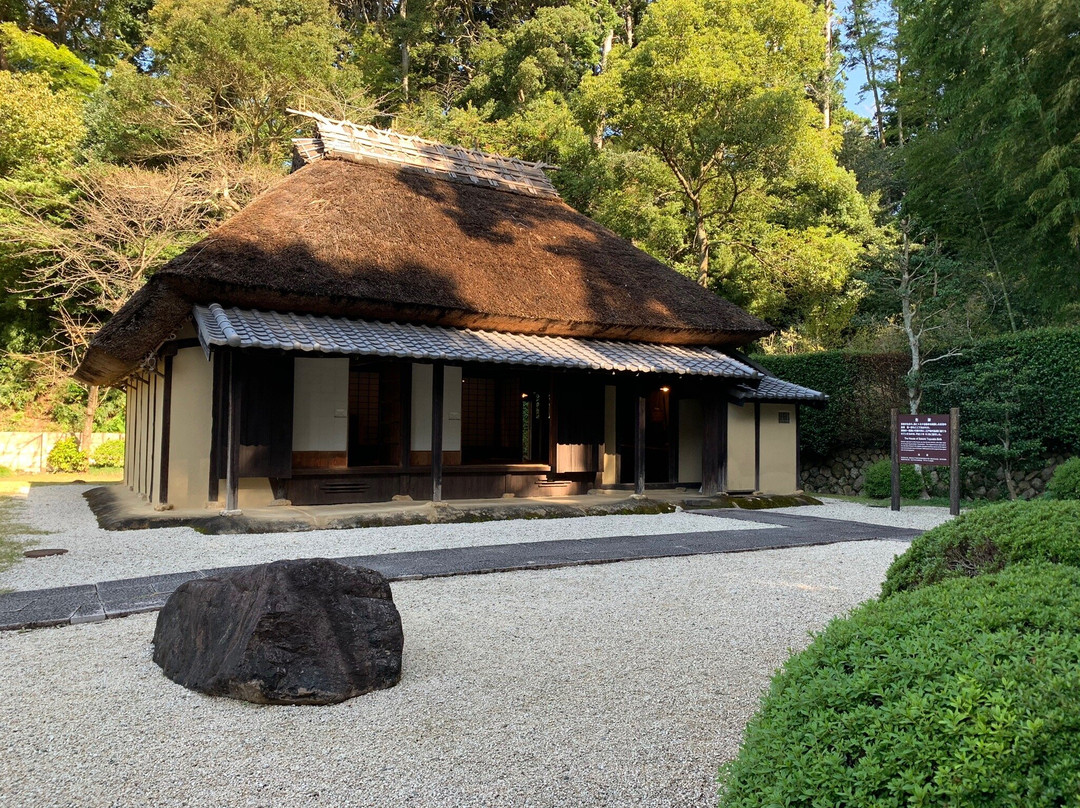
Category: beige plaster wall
<point>691,433</point>
<point>190,427</point>
<point>740,448</point>
<point>778,449</point>
<point>320,404</point>
<point>422,376</point>
<point>610,472</point>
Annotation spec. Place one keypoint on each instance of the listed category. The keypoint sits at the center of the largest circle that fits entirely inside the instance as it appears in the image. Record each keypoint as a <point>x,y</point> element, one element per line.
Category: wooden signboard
<point>927,440</point>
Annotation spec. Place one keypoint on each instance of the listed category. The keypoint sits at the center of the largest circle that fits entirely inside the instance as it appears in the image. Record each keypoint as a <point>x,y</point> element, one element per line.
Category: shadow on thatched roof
<point>351,239</point>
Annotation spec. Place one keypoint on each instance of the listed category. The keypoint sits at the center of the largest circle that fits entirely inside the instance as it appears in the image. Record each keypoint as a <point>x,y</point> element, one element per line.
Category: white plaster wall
<point>778,442</point>
<point>691,433</point>
<point>190,424</point>
<point>321,405</point>
<point>740,448</point>
<point>422,376</point>
<point>611,458</point>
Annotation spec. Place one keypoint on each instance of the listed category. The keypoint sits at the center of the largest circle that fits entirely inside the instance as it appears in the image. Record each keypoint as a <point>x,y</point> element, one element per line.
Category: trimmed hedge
<point>1065,484</point>
<point>864,387</point>
<point>65,456</point>
<point>987,540</point>
<point>878,481</point>
<point>110,454</point>
<point>965,693</point>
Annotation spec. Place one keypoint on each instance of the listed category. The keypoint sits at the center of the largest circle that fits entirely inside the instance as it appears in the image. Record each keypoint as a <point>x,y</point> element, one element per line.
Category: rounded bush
<point>967,693</point>
<point>877,483</point>
<point>65,456</point>
<point>110,454</point>
<point>988,540</point>
<point>1065,484</point>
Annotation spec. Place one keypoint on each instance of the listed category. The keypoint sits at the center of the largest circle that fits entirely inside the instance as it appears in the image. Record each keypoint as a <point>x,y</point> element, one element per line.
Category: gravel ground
<point>616,685</point>
<point>922,517</point>
<point>103,555</point>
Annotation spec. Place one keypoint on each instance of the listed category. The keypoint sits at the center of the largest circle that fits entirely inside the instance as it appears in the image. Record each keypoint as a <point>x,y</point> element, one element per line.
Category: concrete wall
<point>321,405</point>
<point>28,451</point>
<point>691,432</point>
<point>421,408</point>
<point>741,470</point>
<point>778,449</point>
<point>190,426</point>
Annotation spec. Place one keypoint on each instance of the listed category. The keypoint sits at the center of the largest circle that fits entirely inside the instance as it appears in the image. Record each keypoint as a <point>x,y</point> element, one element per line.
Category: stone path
<point>92,602</point>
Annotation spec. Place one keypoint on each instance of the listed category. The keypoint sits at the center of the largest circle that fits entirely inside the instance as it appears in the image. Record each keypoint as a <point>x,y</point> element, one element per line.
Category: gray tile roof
<point>771,388</point>
<point>245,328</point>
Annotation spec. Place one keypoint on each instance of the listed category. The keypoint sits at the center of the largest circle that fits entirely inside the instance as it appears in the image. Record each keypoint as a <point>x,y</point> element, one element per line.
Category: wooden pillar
<point>672,402</point>
<point>166,428</point>
<point>232,442</point>
<point>714,444</point>
<point>218,424</point>
<point>954,461</point>
<point>894,432</point>
<point>437,385</point>
<point>639,445</point>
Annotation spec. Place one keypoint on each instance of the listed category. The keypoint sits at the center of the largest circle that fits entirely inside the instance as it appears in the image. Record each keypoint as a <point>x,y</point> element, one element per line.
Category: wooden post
<point>437,376</point>
<point>894,432</point>
<point>798,448</point>
<point>713,448</point>
<point>232,459</point>
<point>954,461</point>
<point>639,445</point>
<point>166,428</point>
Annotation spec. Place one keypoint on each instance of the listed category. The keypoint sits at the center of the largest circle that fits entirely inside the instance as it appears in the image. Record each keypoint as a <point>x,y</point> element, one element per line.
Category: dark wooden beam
<point>218,420</point>
<point>437,384</point>
<point>406,422</point>
<point>232,447</point>
<point>673,437</point>
<point>166,428</point>
<point>639,445</point>
<point>714,443</point>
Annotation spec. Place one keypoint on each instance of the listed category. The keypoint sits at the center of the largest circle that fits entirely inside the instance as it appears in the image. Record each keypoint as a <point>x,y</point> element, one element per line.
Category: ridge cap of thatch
<point>345,140</point>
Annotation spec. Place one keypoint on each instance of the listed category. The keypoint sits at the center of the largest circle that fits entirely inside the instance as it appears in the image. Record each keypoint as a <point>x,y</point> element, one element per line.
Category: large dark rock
<point>310,631</point>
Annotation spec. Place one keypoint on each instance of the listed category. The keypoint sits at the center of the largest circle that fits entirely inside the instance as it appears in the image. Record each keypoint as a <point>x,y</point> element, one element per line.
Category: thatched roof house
<point>376,229</point>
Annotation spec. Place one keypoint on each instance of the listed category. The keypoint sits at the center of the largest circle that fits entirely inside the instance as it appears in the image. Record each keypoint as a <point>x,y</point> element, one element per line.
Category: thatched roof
<point>393,243</point>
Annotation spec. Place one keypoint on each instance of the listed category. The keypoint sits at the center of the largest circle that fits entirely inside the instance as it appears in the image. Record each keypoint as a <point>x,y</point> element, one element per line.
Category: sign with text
<point>924,439</point>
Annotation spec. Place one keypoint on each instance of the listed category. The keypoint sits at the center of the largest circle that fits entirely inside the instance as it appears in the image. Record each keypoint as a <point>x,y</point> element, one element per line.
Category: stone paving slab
<point>92,602</point>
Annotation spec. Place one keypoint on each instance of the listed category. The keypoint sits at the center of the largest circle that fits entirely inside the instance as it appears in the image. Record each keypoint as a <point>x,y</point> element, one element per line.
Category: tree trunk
<point>914,386</point>
<point>601,125</point>
<point>826,107</point>
<point>701,241</point>
<point>628,23</point>
<point>88,419</point>
<point>405,57</point>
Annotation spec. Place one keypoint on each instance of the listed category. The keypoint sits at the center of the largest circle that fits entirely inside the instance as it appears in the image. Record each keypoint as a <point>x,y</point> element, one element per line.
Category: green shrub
<point>1065,484</point>
<point>110,454</point>
<point>65,456</point>
<point>877,484</point>
<point>988,540</point>
<point>965,694</point>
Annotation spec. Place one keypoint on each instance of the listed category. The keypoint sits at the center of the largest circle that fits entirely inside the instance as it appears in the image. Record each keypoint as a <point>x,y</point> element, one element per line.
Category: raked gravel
<point>922,517</point>
<point>103,555</point>
<point>616,685</point>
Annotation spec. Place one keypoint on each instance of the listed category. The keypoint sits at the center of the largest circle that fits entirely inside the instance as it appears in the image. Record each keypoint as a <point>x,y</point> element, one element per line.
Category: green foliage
<point>109,454</point>
<point>39,127</point>
<point>65,456</point>
<point>987,540</point>
<point>1016,394</point>
<point>878,482</point>
<point>1065,484</point>
<point>24,52</point>
<point>966,693</point>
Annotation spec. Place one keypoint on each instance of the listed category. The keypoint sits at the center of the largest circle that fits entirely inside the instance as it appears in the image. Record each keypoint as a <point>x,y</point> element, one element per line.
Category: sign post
<point>927,440</point>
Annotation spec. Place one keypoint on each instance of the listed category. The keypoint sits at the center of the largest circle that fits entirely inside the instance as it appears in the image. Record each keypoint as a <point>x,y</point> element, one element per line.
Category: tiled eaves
<point>307,333</point>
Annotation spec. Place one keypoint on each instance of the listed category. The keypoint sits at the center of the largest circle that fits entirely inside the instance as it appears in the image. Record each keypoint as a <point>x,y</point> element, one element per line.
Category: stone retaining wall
<point>843,474</point>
